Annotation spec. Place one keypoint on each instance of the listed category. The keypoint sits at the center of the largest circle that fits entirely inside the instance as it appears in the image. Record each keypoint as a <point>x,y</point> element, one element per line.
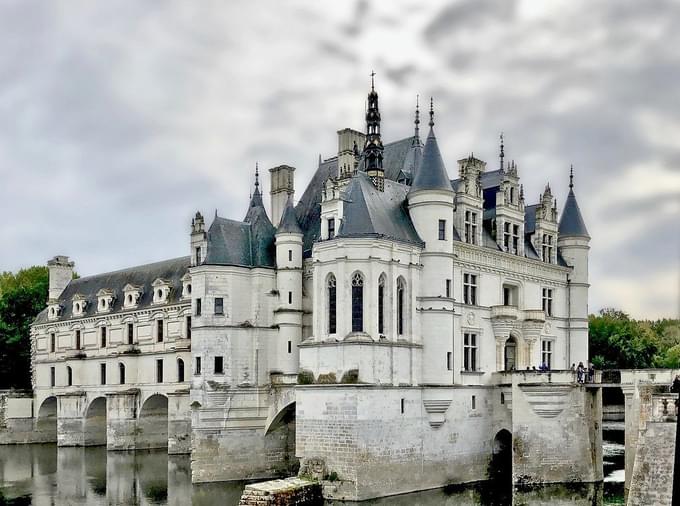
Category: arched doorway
<point>46,423</point>
<point>280,436</point>
<point>152,425</point>
<point>94,429</point>
<point>500,469</point>
<point>510,354</point>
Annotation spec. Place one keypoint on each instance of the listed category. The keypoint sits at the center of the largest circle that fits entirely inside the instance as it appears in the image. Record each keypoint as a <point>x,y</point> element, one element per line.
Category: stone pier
<point>288,492</point>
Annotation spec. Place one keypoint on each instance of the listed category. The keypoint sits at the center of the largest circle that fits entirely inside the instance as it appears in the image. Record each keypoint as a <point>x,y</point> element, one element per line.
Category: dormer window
<point>547,248</point>
<point>131,295</point>
<point>470,227</point>
<point>186,286</point>
<point>161,291</point>
<point>53,311</point>
<point>79,305</point>
<point>331,228</point>
<point>105,298</point>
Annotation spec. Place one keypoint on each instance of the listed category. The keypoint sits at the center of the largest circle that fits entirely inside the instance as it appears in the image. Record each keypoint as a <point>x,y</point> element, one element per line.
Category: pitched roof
<point>431,174</point>
<point>143,276</point>
<point>571,221</point>
<point>289,223</point>
<point>368,212</point>
<point>240,243</point>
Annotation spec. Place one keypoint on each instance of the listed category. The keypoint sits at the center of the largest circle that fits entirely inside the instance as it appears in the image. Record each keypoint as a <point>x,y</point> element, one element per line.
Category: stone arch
<point>280,438</point>
<point>152,424</point>
<point>500,468</point>
<point>46,422</point>
<point>94,428</point>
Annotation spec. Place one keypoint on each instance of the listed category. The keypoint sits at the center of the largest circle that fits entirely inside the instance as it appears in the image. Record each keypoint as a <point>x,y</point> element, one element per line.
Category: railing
<point>505,312</point>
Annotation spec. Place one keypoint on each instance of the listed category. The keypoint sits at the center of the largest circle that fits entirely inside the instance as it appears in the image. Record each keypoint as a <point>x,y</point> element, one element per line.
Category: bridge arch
<point>152,423</point>
<point>46,421</point>
<point>279,433</point>
<point>94,428</point>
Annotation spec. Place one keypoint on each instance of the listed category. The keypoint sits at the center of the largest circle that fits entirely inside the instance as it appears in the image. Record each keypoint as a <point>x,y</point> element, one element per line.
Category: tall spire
<point>431,112</point>
<point>416,134</point>
<point>257,178</point>
<point>502,155</point>
<point>571,221</point>
<point>256,196</point>
<point>373,149</point>
<point>571,177</point>
<point>431,173</point>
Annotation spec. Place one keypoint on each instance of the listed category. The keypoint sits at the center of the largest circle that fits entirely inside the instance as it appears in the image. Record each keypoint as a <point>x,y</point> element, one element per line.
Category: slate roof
<point>289,223</point>
<point>571,221</point>
<point>431,174</point>
<point>143,275</point>
<point>368,212</point>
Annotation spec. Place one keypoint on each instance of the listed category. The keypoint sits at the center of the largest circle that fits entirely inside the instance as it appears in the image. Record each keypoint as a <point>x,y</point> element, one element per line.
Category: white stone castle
<point>387,330</point>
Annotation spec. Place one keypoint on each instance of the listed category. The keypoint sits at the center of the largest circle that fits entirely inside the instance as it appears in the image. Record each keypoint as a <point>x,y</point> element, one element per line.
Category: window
<point>198,307</point>
<point>449,361</point>
<point>53,342</point>
<point>506,236</point>
<point>188,288</point>
<point>78,344</point>
<point>331,228</point>
<point>69,376</point>
<point>512,194</point>
<point>502,398</point>
<point>546,353</point>
<point>357,302</point>
<point>290,347</point>
<point>470,289</point>
<point>102,336</point>
<point>219,305</point>
<point>198,255</point>
<point>102,374</point>
<point>159,371</point>
<point>332,305</point>
<point>197,368</point>
<point>219,365</point>
<point>470,227</point>
<point>381,304</point>
<point>53,379</point>
<point>401,289</point>
<point>121,373</point>
<point>159,331</point>
<point>442,230</point>
<point>511,238</point>
<point>130,333</point>
<point>448,288</point>
<point>510,295</point>
<point>473,402</point>
<point>515,239</point>
<point>290,297</point>
<point>188,324</point>
<point>180,370</point>
<point>547,300</point>
<point>547,248</point>
<point>469,352</point>
<point>402,405</point>
<point>290,255</point>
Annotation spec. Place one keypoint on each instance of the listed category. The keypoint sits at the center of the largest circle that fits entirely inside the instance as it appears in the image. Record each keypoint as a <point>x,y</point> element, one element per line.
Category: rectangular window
<point>219,305</point>
<point>469,352</point>
<point>449,361</point>
<point>78,344</point>
<point>546,353</point>
<point>506,236</point>
<point>381,308</point>
<point>130,333</point>
<point>547,248</point>
<point>470,289</point>
<point>290,255</point>
<point>547,299</point>
<point>331,228</point>
<point>448,288</point>
<point>159,331</point>
<point>188,323</point>
<point>121,374</point>
<point>53,378</point>
<point>470,227</point>
<point>442,230</point>
<point>402,405</point>
<point>103,337</point>
<point>290,297</point>
<point>290,347</point>
<point>69,376</point>
<point>159,371</point>
<point>502,398</point>
<point>198,307</point>
<point>198,255</point>
<point>197,368</point>
<point>53,342</point>
<point>219,365</point>
<point>515,239</point>
<point>102,374</point>
<point>510,295</point>
<point>474,402</point>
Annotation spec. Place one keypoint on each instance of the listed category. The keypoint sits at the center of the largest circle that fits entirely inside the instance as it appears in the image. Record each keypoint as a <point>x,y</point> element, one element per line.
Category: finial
<point>372,81</point>
<point>215,212</point>
<point>257,177</point>
<point>431,112</point>
<point>571,177</point>
<point>417,121</point>
<point>502,152</point>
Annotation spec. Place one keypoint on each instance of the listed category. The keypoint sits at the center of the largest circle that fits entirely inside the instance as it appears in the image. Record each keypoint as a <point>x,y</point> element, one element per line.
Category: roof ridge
<point>134,267</point>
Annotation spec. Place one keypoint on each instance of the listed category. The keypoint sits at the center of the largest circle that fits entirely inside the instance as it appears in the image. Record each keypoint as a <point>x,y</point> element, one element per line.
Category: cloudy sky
<point>118,120</point>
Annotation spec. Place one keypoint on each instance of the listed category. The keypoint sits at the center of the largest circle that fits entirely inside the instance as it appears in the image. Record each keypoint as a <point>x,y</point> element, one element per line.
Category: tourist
<point>580,370</point>
<point>591,372</point>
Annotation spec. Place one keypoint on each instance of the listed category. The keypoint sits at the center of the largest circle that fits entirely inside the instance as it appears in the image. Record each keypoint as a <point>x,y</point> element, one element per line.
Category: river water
<point>47,475</point>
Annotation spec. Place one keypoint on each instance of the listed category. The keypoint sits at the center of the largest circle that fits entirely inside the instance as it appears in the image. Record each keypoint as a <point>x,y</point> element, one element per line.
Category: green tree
<point>22,296</point>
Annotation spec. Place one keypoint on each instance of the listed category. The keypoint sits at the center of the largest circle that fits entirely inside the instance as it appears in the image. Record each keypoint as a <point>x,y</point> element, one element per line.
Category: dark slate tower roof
<point>571,221</point>
<point>431,174</point>
<point>289,223</point>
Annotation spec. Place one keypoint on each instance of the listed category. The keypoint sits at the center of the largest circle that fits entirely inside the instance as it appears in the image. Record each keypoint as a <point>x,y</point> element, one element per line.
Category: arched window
<point>332,305</point>
<point>357,302</point>
<point>69,376</point>
<point>180,370</point>
<point>401,300</point>
<point>121,373</point>
<point>381,304</point>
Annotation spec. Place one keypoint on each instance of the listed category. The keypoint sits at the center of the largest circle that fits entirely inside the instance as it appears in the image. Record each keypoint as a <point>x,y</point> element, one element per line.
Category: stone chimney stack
<point>60,273</point>
<point>350,143</point>
<point>281,188</point>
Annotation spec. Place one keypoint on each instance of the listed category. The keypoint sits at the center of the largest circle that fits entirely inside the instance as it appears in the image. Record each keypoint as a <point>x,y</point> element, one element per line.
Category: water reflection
<point>46,475</point>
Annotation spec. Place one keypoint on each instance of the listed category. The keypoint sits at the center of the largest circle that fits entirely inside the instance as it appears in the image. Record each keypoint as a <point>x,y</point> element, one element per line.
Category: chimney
<point>60,273</point>
<point>350,144</point>
<point>282,186</point>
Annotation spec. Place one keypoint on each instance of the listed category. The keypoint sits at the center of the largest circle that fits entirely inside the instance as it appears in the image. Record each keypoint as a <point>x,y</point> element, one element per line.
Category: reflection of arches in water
<point>95,469</point>
<point>153,423</point>
<point>94,430</point>
<point>280,435</point>
<point>152,471</point>
<point>47,418</point>
<point>500,469</point>
<point>510,354</point>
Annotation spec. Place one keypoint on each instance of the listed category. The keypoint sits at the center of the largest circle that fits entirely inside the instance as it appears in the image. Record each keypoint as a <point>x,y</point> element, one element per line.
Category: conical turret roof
<point>571,221</point>
<point>289,223</point>
<point>431,173</point>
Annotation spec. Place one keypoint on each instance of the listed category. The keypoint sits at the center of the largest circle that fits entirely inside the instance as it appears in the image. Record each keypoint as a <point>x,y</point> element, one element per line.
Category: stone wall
<point>288,492</point>
<point>17,424</point>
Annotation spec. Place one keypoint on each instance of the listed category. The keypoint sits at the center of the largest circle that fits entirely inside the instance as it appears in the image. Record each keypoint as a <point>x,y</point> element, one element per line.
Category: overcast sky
<point>118,120</point>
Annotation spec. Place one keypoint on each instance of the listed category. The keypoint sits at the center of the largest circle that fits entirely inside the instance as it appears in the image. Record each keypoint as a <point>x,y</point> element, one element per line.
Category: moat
<point>45,474</point>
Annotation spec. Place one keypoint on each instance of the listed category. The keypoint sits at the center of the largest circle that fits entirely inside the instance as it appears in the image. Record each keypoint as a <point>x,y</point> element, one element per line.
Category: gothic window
<point>332,304</point>
<point>546,353</point>
<point>180,370</point>
<point>470,227</point>
<point>547,299</point>
<point>442,230</point>
<point>381,304</point>
<point>470,289</point>
<point>69,376</point>
<point>401,300</point>
<point>357,302</point>
<point>469,352</point>
<point>121,373</point>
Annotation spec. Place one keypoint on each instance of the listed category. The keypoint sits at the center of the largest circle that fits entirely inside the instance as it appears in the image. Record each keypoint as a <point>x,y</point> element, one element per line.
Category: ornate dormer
<point>509,220</point>
<point>331,208</point>
<point>131,295</point>
<point>79,305</point>
<point>186,286</point>
<point>105,298</point>
<point>470,200</point>
<point>199,240</point>
<point>54,310</point>
<point>161,291</point>
<point>544,238</point>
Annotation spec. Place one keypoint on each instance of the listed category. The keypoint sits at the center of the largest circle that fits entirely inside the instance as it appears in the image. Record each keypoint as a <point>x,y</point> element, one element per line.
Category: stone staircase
<point>286,492</point>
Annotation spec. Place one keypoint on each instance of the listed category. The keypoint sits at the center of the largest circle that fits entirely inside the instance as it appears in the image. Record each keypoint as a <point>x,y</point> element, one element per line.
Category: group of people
<point>584,373</point>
